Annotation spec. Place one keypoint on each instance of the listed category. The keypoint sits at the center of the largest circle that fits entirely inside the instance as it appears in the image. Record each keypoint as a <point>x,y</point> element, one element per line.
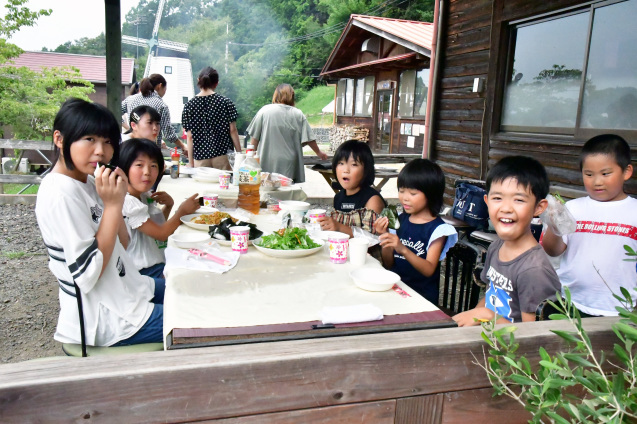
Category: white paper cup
<point>239,238</point>
<point>358,251</point>
<point>224,180</point>
<point>338,247</point>
<point>210,200</point>
<point>314,215</point>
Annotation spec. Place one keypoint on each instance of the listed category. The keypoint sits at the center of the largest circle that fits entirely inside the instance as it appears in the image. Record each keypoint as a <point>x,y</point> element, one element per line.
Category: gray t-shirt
<point>282,131</point>
<point>519,285</point>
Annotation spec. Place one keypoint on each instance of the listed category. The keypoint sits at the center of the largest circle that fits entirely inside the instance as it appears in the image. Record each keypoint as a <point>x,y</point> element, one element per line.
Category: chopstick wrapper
<point>178,258</point>
<point>350,314</point>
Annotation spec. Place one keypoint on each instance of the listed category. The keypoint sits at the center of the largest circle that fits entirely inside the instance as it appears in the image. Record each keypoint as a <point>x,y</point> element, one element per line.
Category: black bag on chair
<point>469,206</point>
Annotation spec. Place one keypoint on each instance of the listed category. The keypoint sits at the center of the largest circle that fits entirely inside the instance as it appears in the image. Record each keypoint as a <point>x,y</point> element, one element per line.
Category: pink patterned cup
<point>314,215</point>
<point>224,180</point>
<point>239,238</point>
<point>210,200</point>
<point>338,244</point>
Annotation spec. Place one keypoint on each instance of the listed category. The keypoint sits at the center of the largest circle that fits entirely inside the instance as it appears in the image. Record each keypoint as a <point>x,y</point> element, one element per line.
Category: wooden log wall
<point>410,377</point>
<point>467,141</point>
<point>457,124</point>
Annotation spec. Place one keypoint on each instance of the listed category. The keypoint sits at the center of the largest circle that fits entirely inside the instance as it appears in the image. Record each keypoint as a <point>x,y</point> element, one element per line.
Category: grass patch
<point>315,100</point>
<point>15,255</point>
<point>15,188</point>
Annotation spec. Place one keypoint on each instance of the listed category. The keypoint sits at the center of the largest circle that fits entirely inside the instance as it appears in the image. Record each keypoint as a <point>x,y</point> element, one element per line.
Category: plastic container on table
<point>249,185</point>
<point>174,164</point>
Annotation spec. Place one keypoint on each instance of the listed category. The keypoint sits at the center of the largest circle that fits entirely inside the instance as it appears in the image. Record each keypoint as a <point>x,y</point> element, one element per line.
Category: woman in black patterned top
<point>210,123</point>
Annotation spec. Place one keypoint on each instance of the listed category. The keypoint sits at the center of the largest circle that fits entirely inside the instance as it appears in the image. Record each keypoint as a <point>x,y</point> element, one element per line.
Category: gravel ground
<point>28,292</point>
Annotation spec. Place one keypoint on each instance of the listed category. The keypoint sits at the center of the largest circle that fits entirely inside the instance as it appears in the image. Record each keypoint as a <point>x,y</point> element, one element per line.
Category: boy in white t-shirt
<point>592,265</point>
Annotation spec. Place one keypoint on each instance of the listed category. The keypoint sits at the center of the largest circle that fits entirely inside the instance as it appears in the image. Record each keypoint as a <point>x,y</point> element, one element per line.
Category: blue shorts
<point>151,332</point>
<point>156,272</point>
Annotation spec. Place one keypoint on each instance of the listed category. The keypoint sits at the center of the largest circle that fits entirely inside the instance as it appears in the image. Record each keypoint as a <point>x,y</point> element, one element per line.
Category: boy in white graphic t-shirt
<point>593,266</point>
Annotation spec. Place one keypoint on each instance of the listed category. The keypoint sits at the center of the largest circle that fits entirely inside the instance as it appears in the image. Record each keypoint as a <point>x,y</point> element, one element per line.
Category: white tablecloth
<point>265,290</point>
<point>183,187</point>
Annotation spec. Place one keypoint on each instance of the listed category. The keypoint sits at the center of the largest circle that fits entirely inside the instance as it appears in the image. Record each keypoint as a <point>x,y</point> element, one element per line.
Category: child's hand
<point>162,198</point>
<point>393,241</point>
<point>381,224</point>
<point>190,205</point>
<point>328,224</point>
<point>111,186</point>
<point>468,318</point>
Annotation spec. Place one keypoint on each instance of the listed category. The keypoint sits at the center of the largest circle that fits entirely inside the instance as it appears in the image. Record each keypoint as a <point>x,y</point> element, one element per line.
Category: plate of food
<point>203,221</point>
<point>288,243</point>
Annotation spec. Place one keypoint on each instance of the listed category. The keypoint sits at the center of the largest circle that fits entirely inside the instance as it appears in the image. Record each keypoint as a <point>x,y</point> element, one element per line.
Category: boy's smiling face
<point>604,178</point>
<point>511,209</point>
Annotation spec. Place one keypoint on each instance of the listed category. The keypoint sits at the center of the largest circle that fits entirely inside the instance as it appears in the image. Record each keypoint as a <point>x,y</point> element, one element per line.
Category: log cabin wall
<point>467,139</point>
<point>457,123</point>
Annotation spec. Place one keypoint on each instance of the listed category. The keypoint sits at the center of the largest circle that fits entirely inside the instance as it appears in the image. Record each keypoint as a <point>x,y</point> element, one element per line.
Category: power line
<point>321,32</point>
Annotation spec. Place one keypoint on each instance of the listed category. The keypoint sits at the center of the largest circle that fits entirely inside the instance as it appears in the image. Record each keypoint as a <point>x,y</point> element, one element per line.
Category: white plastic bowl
<point>294,205</point>
<point>374,279</point>
<point>189,240</point>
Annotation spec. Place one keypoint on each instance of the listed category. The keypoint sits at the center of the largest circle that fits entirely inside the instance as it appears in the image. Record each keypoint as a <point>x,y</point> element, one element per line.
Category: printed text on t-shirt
<point>595,227</point>
<point>498,279</point>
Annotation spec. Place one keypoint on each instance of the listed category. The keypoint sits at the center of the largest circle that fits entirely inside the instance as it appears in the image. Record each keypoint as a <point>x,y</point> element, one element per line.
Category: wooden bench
<point>423,376</point>
<point>27,179</point>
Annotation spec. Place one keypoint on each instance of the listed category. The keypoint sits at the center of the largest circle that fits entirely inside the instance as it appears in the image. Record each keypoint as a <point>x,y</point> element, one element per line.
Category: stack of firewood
<point>339,134</point>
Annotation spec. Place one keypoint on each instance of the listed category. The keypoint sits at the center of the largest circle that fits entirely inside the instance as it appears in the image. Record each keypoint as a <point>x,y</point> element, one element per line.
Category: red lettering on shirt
<point>594,227</point>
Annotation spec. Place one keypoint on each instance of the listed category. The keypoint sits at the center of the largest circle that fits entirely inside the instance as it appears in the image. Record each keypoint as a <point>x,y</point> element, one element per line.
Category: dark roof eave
<point>396,62</point>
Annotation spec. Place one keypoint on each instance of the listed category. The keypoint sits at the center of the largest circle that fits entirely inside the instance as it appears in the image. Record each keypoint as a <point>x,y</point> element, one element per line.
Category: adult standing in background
<point>210,123</point>
<point>134,89</point>
<point>151,91</point>
<point>279,131</point>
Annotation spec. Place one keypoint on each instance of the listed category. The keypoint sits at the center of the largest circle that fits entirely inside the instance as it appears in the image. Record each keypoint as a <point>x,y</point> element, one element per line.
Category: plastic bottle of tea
<point>249,184</point>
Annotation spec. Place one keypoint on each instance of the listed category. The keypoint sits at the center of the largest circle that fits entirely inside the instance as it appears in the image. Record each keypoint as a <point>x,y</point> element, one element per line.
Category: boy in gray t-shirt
<point>517,272</point>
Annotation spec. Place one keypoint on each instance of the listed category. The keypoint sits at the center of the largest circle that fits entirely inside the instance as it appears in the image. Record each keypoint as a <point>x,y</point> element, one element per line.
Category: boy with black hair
<point>517,271</point>
<point>592,265</point>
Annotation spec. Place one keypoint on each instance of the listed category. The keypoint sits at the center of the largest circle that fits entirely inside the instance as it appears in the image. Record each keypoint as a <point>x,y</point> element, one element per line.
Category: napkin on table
<point>178,258</point>
<point>350,314</point>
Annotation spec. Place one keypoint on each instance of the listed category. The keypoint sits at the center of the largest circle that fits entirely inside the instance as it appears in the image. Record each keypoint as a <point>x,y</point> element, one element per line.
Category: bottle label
<point>249,176</point>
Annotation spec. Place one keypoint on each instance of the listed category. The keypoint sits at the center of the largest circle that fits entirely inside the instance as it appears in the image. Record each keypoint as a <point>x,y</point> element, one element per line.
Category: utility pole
<point>227,32</point>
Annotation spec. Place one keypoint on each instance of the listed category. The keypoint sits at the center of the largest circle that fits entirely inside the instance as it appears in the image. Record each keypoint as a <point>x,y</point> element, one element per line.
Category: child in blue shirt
<point>422,240</point>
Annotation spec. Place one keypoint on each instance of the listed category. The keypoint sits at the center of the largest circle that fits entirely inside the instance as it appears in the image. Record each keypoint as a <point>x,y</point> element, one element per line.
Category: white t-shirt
<point>117,304</point>
<point>603,228</point>
<point>143,249</point>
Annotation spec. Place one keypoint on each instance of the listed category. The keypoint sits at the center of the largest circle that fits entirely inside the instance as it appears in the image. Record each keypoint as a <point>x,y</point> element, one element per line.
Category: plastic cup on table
<point>210,200</point>
<point>358,251</point>
<point>239,238</point>
<point>224,180</point>
<point>314,215</point>
<point>338,243</point>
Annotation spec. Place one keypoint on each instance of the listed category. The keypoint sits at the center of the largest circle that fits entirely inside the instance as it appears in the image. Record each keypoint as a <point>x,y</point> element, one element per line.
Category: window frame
<point>503,72</point>
<point>364,114</point>
<point>413,105</point>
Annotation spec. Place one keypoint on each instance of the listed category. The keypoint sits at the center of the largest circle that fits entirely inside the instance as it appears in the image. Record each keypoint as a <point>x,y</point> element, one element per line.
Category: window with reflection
<point>349,96</point>
<point>412,94</point>
<point>364,96</point>
<point>340,96</point>
<point>553,87</point>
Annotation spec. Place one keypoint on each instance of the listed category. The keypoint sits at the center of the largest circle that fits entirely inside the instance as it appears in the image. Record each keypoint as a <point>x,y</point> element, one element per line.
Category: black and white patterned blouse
<point>209,118</point>
<point>155,101</point>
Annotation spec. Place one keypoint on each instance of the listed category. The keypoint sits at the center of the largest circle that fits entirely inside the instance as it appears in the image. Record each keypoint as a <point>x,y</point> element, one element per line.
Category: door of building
<point>384,99</point>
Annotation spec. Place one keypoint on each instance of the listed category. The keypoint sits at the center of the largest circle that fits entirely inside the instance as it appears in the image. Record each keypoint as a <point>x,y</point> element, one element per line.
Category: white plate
<point>374,279</point>
<point>186,220</point>
<point>275,253</point>
<point>227,242</point>
<point>206,178</point>
<point>189,240</point>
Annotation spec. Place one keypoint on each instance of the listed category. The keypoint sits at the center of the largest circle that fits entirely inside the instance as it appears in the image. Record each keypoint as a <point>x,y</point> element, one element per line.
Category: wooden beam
<point>113,57</point>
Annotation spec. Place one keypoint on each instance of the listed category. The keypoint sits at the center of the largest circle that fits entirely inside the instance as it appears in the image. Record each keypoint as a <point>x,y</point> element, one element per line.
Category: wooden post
<point>113,57</point>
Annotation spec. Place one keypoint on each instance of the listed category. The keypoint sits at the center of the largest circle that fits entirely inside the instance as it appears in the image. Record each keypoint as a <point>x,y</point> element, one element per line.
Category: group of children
<point>101,226</point>
<point>517,271</point>
<point>103,230</point>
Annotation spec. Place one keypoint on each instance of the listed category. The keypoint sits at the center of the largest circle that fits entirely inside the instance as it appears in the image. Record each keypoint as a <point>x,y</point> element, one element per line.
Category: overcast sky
<point>69,21</point>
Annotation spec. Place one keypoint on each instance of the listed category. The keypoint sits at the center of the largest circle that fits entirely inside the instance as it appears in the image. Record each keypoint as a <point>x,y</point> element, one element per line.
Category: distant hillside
<point>312,104</point>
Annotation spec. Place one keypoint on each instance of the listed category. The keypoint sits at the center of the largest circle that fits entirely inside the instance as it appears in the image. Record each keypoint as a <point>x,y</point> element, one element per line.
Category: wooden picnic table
<point>264,299</point>
<point>385,174</point>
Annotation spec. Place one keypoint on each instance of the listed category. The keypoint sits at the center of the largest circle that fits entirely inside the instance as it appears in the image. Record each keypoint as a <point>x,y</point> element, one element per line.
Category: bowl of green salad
<point>288,243</point>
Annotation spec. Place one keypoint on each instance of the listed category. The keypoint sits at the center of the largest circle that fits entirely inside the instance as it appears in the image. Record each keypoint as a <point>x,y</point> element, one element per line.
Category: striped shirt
<point>156,102</point>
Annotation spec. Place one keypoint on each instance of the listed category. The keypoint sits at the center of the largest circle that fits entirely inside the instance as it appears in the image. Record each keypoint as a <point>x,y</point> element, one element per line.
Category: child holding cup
<point>423,238</point>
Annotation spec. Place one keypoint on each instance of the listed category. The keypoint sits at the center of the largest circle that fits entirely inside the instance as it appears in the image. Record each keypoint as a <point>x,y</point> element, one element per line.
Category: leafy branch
<point>596,395</point>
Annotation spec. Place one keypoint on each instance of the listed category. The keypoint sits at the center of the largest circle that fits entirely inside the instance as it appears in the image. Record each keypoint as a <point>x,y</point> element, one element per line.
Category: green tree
<point>29,100</point>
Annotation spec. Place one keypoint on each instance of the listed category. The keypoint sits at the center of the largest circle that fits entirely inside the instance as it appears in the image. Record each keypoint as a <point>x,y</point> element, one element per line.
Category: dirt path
<point>28,292</point>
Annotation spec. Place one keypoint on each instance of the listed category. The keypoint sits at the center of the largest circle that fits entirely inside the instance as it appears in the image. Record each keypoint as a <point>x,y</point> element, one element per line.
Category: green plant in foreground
<point>15,255</point>
<point>597,396</point>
